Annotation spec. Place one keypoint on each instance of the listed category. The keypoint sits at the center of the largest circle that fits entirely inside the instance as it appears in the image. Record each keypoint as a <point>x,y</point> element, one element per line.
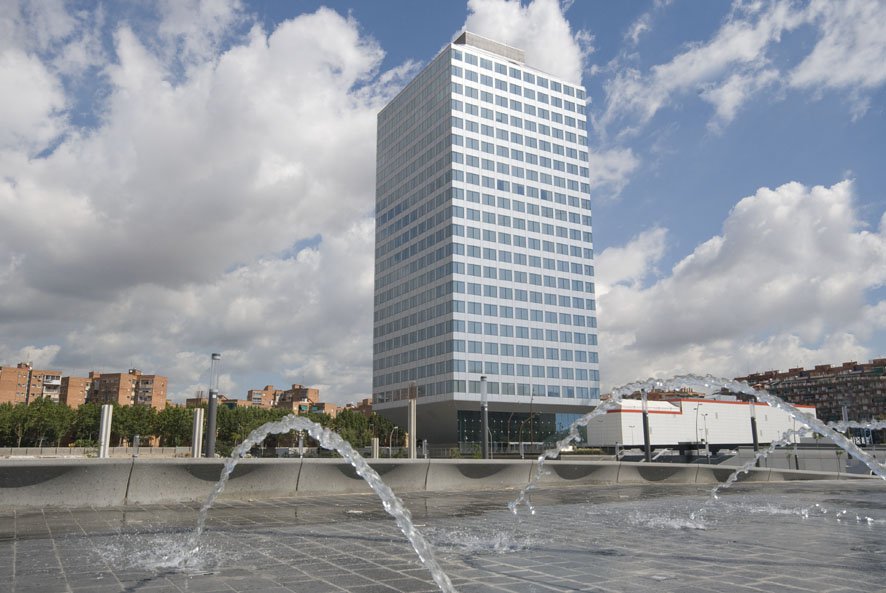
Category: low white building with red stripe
<point>691,422</point>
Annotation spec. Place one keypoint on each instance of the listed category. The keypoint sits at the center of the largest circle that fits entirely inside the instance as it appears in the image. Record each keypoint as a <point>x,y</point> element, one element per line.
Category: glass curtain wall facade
<point>484,260</point>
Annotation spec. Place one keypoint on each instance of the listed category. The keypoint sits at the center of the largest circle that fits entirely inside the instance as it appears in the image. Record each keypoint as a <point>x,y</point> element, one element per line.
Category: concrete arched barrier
<point>468,474</point>
<point>30,483</point>
<point>165,480</point>
<point>708,474</point>
<point>787,475</point>
<point>336,476</point>
<point>666,473</point>
<point>36,483</point>
<point>577,472</point>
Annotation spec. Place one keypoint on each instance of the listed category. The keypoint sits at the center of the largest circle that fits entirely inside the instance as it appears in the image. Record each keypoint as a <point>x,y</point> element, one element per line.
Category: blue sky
<point>183,177</point>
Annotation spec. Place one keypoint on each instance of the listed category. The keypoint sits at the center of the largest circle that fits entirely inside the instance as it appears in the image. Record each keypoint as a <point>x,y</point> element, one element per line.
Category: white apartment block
<point>484,259</point>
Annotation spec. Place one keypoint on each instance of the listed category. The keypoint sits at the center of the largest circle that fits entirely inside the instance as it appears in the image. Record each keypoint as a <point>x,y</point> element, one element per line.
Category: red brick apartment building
<point>130,388</point>
<point>859,387</point>
<point>22,384</point>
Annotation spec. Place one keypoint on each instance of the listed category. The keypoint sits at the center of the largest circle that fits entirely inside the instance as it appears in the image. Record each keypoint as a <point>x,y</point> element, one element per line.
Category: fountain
<point>706,385</point>
<point>626,537</point>
<point>329,440</point>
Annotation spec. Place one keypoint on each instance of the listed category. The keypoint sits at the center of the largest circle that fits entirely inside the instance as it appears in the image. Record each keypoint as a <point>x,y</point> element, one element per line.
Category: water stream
<point>707,385</point>
<point>786,439</point>
<point>552,453</point>
<point>328,440</point>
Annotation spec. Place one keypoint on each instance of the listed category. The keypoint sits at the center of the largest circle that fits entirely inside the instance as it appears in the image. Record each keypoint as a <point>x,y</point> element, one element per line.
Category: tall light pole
<point>391,438</point>
<point>647,447</point>
<point>484,409</point>
<point>753,409</point>
<point>707,442</point>
<point>212,409</point>
<point>697,438</point>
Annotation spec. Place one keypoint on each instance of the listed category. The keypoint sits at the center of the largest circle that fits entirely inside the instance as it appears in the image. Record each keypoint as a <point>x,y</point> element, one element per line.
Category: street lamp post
<point>212,408</point>
<point>707,442</point>
<point>647,447</point>
<point>484,409</point>
<point>796,439</point>
<point>754,430</point>
<point>390,439</point>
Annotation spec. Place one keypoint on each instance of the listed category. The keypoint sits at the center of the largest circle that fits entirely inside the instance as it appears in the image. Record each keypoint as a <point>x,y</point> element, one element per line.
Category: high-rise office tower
<point>484,251</point>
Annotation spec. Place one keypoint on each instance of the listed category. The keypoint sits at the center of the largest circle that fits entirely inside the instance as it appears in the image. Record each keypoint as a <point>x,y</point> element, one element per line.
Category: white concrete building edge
<point>719,423</point>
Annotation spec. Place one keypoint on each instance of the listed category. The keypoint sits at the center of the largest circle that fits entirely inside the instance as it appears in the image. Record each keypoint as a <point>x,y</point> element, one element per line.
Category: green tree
<point>173,426</point>
<point>129,421</point>
<point>353,427</point>
<point>380,426</point>
<point>235,424</point>
<point>45,422</point>
<point>7,433</point>
<point>62,420</point>
<point>86,423</point>
<point>19,423</point>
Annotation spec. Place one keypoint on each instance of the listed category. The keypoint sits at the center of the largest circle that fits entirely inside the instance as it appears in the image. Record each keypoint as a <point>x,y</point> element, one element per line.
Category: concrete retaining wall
<point>476,474</point>
<point>34,483</point>
<point>572,472</point>
<point>164,480</point>
<point>68,483</point>
<point>332,475</point>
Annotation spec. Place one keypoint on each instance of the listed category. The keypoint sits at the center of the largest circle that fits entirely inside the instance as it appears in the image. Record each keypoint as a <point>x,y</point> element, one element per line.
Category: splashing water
<point>786,438</point>
<point>553,452</point>
<point>707,385</point>
<point>872,425</point>
<point>328,440</point>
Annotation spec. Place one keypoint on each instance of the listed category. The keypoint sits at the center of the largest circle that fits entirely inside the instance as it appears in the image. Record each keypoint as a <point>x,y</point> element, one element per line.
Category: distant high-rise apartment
<point>484,259</point>
<point>74,391</point>
<point>14,383</point>
<point>130,388</point>
<point>859,388</point>
<point>24,384</point>
<point>264,398</point>
<point>44,384</point>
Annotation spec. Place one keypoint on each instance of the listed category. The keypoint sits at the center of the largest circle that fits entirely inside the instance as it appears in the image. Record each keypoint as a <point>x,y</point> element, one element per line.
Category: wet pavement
<point>788,537</point>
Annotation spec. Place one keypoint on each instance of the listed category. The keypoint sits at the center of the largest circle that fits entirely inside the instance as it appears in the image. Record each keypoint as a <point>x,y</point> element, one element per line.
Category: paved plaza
<point>811,536</point>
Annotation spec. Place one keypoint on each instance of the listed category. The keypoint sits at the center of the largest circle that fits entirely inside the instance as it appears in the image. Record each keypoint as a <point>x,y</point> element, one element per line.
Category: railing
<point>55,452</point>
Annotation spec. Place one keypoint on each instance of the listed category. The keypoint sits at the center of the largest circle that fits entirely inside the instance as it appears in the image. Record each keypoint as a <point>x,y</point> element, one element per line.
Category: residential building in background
<point>298,393</point>
<point>364,407</point>
<point>44,384</point>
<point>22,384</point>
<point>298,399</point>
<point>264,398</point>
<point>484,258</point>
<point>74,391</point>
<point>14,383</point>
<point>201,400</point>
<point>861,388</point>
<point>130,388</point>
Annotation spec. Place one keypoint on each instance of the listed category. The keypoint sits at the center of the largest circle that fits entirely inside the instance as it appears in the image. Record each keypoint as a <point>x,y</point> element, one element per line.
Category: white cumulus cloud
<point>539,28</point>
<point>736,64</point>
<point>223,201</point>
<point>785,283</point>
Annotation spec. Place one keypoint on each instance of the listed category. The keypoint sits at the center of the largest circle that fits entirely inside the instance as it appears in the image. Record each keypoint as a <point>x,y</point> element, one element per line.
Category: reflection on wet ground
<point>810,536</point>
